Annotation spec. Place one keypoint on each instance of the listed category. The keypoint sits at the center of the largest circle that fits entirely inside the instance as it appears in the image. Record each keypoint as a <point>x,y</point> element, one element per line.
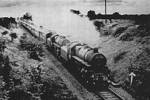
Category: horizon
<point>56,15</point>
<point>120,6</point>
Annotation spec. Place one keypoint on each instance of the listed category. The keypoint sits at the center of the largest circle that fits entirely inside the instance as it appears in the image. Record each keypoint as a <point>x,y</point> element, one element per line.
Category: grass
<point>120,56</point>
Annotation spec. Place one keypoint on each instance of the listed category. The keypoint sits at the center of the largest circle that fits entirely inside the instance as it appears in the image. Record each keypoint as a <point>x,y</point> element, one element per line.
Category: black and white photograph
<point>74,50</point>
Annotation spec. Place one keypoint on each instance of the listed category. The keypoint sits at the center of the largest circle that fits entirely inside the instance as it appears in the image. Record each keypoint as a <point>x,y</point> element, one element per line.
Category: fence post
<point>39,35</point>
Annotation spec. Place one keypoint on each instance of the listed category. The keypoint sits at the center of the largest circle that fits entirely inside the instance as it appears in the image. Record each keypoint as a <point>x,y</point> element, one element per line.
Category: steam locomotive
<point>85,62</point>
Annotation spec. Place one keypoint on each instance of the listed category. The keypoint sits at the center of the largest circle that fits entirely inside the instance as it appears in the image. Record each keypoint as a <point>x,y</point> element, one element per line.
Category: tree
<point>24,36</point>
<point>13,36</point>
<point>2,45</point>
<point>91,14</point>
<point>27,16</point>
<point>116,14</point>
<point>4,33</point>
<point>75,11</point>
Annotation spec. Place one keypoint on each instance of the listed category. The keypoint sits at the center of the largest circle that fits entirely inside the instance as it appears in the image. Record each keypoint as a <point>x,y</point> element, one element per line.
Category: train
<point>87,63</point>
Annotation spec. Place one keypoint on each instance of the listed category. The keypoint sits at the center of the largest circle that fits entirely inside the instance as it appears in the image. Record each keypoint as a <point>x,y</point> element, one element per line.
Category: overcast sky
<point>8,3</point>
<point>55,14</point>
<point>136,4</point>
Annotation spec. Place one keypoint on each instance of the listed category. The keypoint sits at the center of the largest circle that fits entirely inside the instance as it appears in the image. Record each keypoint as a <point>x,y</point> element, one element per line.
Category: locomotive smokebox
<point>91,56</point>
<point>95,50</point>
<point>95,59</point>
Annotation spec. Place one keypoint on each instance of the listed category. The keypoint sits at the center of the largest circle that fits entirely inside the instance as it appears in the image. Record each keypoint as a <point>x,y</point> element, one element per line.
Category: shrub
<point>55,92</point>
<point>13,36</point>
<point>119,56</point>
<point>19,94</point>
<point>126,37</point>
<point>91,14</point>
<point>27,16</point>
<point>34,48</point>
<point>4,33</point>
<point>6,22</point>
<point>118,31</point>
<point>5,70</point>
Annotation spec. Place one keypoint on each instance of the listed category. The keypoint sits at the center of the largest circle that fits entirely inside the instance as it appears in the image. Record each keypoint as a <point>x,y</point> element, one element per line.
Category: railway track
<point>108,95</point>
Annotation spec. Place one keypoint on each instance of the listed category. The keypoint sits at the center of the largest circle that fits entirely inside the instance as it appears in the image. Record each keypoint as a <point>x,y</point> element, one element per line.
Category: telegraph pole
<point>105,8</point>
<point>105,11</point>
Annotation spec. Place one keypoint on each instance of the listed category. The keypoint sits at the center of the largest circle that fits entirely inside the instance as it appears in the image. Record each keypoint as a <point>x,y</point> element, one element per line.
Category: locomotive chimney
<point>95,50</point>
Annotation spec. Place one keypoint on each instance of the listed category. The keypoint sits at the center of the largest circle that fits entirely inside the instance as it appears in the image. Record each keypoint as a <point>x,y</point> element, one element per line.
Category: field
<point>126,45</point>
<point>25,71</point>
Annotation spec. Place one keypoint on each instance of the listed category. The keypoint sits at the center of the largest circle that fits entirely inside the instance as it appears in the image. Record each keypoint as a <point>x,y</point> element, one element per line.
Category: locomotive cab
<point>48,36</point>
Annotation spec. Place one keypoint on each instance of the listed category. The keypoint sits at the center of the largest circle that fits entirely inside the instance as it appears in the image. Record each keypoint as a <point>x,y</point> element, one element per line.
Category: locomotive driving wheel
<point>58,53</point>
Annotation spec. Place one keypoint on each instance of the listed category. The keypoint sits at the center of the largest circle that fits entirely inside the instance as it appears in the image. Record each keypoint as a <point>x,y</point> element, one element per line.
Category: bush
<point>27,16</point>
<point>34,48</point>
<point>5,70</point>
<point>19,94</point>
<point>119,56</point>
<point>55,92</point>
<point>6,22</point>
<point>98,25</point>
<point>91,14</point>
<point>2,45</point>
<point>118,31</point>
<point>75,11</point>
<point>105,32</point>
<point>4,33</point>
<point>13,36</point>
<point>126,37</point>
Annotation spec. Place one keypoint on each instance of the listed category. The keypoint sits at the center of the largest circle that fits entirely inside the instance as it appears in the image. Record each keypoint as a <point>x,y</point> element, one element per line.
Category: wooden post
<point>39,35</point>
<point>105,10</point>
<point>46,40</point>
